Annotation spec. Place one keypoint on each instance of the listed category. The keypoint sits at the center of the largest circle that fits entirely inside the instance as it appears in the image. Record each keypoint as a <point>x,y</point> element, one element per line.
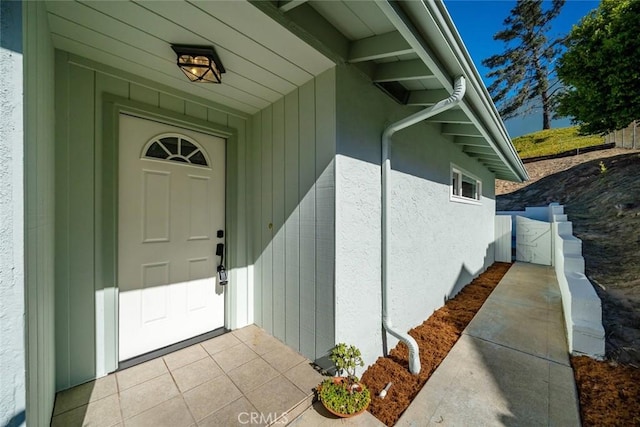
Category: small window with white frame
<point>464,186</point>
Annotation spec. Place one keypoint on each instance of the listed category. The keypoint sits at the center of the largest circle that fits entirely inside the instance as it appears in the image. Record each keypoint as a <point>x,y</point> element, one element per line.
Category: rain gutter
<point>443,105</point>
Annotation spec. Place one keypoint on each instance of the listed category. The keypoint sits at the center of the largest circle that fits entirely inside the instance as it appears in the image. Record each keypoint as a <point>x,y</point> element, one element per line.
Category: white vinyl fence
<point>503,238</point>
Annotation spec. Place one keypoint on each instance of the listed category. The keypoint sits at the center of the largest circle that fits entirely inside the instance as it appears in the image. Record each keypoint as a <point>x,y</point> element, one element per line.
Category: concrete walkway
<point>510,367</point>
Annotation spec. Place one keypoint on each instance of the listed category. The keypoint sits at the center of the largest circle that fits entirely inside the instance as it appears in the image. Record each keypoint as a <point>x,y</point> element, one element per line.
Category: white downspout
<point>445,104</point>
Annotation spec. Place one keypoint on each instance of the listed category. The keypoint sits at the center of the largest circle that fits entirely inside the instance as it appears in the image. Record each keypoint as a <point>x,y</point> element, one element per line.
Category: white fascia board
<point>477,101</point>
<point>450,33</point>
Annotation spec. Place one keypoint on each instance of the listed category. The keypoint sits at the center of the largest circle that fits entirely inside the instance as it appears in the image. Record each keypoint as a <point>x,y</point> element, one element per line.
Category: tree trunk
<point>543,84</point>
<point>546,120</point>
<point>546,114</point>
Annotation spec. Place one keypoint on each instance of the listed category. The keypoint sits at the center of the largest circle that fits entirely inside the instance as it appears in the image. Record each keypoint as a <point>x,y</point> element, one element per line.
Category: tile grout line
<point>548,393</point>
<point>145,381</point>
<point>254,388</point>
<point>208,355</point>
<point>160,403</point>
<point>221,408</point>
<point>119,399</point>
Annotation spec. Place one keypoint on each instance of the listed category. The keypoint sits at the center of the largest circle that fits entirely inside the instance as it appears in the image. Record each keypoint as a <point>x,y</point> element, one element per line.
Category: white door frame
<point>180,261</point>
<point>106,216</point>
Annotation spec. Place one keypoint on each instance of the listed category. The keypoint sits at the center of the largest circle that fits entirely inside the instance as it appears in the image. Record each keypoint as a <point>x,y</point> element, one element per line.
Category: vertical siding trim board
<point>256,160</point>
<point>267,219</point>
<point>81,227</point>
<point>105,266</point>
<point>238,262</point>
<point>292,222</point>
<point>37,132</point>
<point>230,195</point>
<point>279,249</point>
<point>307,191</point>
<point>325,212</point>
<point>62,261</point>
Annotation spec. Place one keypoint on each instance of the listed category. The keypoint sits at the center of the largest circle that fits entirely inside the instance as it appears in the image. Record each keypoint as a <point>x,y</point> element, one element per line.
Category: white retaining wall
<point>580,303</point>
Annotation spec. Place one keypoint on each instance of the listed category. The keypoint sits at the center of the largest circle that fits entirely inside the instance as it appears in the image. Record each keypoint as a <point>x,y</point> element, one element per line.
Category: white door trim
<point>106,206</point>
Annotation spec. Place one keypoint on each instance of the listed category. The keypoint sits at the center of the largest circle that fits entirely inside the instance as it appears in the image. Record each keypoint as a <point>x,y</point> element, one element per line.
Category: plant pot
<point>358,390</point>
<point>338,414</point>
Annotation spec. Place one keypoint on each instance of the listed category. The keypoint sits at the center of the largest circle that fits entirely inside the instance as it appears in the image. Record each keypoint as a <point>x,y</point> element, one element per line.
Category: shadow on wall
<point>11,12</point>
<point>465,276</point>
<point>292,180</point>
<point>17,420</point>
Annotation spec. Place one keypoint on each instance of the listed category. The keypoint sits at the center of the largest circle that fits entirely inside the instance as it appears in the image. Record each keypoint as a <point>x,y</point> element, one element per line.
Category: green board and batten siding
<point>39,214</point>
<point>86,221</point>
<point>280,171</point>
<point>292,157</point>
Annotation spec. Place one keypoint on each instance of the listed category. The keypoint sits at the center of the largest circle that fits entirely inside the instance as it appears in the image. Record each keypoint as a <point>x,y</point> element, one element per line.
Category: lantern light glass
<point>199,63</point>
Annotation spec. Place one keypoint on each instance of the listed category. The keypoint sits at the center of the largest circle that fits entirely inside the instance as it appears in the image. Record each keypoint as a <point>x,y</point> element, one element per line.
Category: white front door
<point>533,241</point>
<point>170,208</point>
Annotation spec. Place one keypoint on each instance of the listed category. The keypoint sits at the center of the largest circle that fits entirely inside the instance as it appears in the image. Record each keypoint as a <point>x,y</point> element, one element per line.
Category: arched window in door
<point>176,148</point>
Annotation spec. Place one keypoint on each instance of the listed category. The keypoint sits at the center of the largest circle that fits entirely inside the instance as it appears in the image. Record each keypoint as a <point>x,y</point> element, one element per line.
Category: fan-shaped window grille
<point>176,148</point>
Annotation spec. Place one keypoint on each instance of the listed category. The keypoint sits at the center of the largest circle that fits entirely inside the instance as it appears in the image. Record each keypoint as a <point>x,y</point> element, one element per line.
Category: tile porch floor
<point>207,384</point>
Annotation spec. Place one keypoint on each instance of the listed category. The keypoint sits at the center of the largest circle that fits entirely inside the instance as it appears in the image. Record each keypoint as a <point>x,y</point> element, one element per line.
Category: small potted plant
<point>345,396</point>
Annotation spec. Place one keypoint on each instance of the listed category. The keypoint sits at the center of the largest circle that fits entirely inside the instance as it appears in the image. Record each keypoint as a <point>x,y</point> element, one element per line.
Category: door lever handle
<point>222,272</point>
<point>222,275</point>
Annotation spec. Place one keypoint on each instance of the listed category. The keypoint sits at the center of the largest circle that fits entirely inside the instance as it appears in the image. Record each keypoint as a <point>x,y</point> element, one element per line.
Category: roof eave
<point>478,103</point>
<point>474,75</point>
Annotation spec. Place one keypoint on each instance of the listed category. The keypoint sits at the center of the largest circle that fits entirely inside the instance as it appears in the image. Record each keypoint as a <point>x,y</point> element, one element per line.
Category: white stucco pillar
<point>12,319</point>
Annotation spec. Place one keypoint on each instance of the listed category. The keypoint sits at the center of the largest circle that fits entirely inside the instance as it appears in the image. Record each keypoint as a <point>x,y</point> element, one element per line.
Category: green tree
<point>601,68</point>
<point>522,72</point>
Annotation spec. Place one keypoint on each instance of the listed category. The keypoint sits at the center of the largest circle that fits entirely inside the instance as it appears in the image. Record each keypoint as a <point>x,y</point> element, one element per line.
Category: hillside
<point>553,141</point>
<point>601,194</point>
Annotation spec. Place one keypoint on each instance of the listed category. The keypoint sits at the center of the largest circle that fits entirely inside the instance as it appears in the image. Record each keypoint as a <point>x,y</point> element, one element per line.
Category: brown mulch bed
<point>435,337</point>
<point>609,392</point>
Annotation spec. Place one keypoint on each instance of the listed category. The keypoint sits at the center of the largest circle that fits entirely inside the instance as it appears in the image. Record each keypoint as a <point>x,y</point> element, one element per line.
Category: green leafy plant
<point>603,167</point>
<point>345,396</point>
<point>347,358</point>
<point>341,397</point>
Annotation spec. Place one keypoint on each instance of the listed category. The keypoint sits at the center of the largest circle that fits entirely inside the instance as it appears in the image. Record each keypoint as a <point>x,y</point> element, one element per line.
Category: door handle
<point>222,272</point>
<point>222,275</point>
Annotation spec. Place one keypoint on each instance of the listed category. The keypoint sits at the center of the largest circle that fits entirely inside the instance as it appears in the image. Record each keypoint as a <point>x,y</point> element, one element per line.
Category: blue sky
<point>478,20</point>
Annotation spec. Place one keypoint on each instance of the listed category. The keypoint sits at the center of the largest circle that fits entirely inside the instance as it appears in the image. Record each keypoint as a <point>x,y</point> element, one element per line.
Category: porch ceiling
<point>271,47</point>
<point>410,56</point>
<point>263,60</point>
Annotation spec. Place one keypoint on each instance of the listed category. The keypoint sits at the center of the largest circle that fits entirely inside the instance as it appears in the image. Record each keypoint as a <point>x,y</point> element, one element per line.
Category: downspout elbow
<point>443,105</point>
